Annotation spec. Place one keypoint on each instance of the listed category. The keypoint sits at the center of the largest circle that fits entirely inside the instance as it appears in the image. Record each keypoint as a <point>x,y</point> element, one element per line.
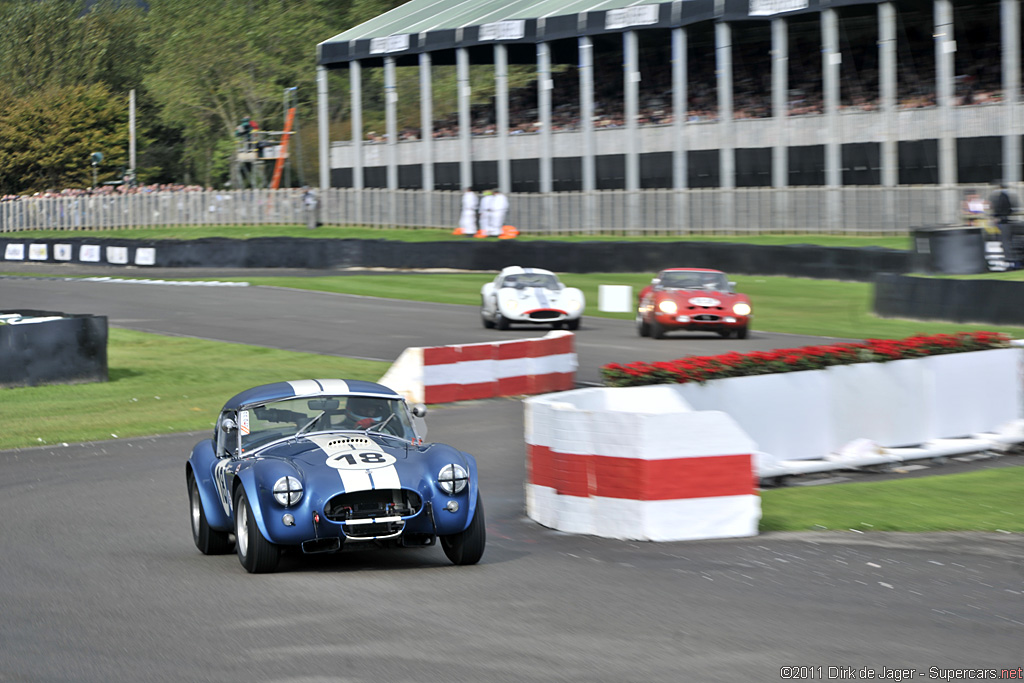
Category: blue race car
<point>317,465</point>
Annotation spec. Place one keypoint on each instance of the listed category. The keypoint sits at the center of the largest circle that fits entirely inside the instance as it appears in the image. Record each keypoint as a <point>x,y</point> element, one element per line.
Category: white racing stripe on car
<point>333,386</point>
<point>385,478</point>
<point>356,480</point>
<point>361,463</point>
<point>305,387</point>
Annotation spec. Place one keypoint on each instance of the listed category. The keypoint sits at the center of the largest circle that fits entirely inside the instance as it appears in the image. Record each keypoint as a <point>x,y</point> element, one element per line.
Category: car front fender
<point>201,464</point>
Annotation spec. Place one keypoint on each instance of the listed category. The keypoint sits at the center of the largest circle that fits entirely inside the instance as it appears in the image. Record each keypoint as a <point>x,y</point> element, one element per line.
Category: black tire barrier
<point>995,302</point>
<point>950,250</point>
<point>798,260</point>
<point>70,350</point>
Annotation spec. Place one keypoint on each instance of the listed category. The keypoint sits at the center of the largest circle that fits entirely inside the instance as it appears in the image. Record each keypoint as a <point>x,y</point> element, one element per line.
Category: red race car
<point>692,299</point>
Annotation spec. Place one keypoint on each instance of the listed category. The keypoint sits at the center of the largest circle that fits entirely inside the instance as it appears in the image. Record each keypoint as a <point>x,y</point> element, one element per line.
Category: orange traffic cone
<point>508,232</point>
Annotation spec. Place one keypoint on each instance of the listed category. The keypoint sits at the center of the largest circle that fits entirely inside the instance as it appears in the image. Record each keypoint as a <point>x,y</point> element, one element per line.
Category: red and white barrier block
<point>444,374</point>
<point>638,464</point>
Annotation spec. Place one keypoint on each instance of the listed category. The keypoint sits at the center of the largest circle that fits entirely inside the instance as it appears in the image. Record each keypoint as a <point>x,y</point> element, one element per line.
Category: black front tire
<point>642,328</point>
<point>573,324</point>
<point>467,547</point>
<point>657,331</point>
<point>742,333</point>
<point>257,554</point>
<point>501,321</point>
<point>208,540</point>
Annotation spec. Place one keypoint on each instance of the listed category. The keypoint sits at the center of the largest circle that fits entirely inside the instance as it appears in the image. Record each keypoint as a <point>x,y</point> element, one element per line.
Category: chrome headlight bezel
<point>453,479</point>
<point>288,491</point>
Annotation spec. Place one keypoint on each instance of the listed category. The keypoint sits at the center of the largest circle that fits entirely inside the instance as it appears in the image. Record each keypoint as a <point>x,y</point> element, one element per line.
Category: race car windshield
<point>262,424</point>
<point>545,280</point>
<point>695,280</point>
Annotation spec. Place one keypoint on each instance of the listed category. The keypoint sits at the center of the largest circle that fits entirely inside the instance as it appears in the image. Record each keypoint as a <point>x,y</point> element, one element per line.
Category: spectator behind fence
<point>1002,205</point>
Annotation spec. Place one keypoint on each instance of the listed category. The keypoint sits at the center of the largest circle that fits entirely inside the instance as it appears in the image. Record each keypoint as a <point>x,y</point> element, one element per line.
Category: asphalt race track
<point>101,581</point>
<point>344,325</point>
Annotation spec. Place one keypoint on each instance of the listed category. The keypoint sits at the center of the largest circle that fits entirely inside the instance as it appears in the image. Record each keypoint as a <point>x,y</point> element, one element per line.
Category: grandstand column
<point>544,87</point>
<point>680,114</point>
<point>586,69</point>
<point>323,131</point>
<point>726,153</point>
<point>426,144</point>
<point>1010,22</point>
<point>631,86</point>
<point>831,58</point>
<point>945,51</point>
<point>782,211</point>
<point>887,96</point>
<point>465,119</point>
<point>501,104</point>
<point>391,122</point>
<point>355,72</point>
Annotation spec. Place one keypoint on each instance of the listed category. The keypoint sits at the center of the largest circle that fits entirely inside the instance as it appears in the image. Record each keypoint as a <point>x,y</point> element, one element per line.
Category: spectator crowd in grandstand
<point>977,80</point>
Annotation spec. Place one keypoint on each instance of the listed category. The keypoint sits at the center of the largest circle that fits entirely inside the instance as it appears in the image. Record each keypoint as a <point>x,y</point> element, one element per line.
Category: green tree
<point>61,43</point>
<point>47,137</point>
<point>217,61</point>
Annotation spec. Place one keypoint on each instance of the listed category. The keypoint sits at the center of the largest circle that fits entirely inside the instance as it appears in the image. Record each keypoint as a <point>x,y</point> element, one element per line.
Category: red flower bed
<point>733,364</point>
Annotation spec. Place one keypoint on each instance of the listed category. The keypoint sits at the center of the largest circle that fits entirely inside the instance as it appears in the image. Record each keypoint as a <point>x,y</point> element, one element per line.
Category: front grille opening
<point>706,318</point>
<point>545,315</point>
<point>370,504</point>
<point>374,530</point>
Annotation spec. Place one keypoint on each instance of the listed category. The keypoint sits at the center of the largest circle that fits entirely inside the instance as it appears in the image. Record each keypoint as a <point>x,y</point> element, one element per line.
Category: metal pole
<point>131,136</point>
<point>323,128</point>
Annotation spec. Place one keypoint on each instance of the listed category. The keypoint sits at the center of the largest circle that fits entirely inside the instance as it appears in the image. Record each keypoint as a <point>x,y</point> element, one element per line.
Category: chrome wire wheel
<point>242,530</point>
<point>196,509</point>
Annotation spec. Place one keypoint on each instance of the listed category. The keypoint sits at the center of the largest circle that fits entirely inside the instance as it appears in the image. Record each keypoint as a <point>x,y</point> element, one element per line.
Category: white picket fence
<point>844,210</point>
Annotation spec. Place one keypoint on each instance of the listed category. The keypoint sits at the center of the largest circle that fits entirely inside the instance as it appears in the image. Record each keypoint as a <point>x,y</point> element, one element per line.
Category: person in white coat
<point>468,218</point>
<point>499,207</point>
<point>486,207</point>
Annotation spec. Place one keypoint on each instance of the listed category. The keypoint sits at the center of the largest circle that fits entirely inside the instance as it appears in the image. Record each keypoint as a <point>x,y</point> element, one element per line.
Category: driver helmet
<point>362,408</point>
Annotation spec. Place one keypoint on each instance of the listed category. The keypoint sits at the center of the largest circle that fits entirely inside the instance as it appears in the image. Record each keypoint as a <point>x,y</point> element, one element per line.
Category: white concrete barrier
<point>445,374</point>
<point>809,414</point>
<point>615,298</point>
<point>638,463</point>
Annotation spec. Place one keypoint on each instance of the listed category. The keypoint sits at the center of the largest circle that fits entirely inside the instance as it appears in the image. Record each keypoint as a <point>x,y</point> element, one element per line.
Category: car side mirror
<point>732,286</point>
<point>227,424</point>
<point>419,410</point>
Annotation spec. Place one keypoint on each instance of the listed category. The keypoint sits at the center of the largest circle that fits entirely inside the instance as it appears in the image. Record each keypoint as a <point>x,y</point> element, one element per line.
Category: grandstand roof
<point>438,25</point>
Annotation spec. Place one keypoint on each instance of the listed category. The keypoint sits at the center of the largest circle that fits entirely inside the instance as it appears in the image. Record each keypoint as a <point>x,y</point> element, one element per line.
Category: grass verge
<point>989,500</point>
<point>158,385</point>
<point>177,232</point>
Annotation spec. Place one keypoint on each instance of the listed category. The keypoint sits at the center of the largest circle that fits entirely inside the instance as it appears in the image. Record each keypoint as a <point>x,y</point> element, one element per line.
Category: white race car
<point>530,295</point>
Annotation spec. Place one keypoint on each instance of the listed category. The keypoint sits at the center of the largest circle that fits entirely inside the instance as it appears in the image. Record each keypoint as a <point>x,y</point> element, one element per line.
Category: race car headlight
<point>452,479</point>
<point>573,302</point>
<point>668,306</point>
<point>742,308</point>
<point>288,491</point>
<point>511,304</point>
